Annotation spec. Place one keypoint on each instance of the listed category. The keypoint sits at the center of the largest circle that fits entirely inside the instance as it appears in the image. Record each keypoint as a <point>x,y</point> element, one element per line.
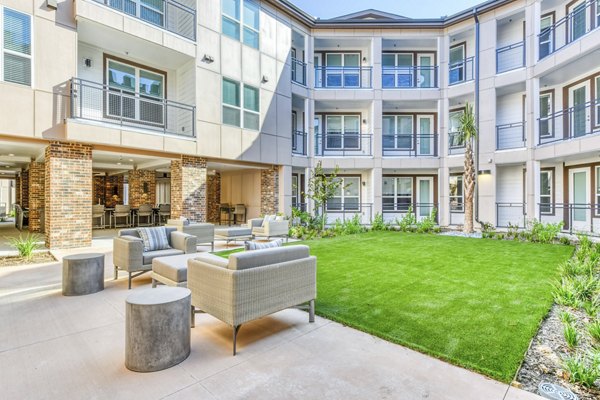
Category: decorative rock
<point>157,328</point>
<point>83,274</point>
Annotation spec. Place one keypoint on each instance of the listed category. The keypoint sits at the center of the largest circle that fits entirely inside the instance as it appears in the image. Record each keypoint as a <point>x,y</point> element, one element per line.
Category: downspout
<point>476,17</point>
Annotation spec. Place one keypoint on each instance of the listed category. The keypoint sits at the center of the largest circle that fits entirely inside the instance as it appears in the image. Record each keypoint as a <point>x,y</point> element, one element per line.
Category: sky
<point>409,8</point>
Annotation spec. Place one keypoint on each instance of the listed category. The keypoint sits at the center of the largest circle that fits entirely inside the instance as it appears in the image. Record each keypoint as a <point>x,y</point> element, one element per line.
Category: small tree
<point>322,187</point>
<point>468,131</point>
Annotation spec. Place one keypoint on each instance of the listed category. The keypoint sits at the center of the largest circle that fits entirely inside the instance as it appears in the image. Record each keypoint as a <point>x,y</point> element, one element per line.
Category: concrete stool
<point>82,274</point>
<point>157,328</point>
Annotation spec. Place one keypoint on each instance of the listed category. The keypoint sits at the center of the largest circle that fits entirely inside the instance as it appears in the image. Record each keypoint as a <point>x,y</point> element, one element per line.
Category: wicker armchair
<point>252,284</point>
<point>269,227</point>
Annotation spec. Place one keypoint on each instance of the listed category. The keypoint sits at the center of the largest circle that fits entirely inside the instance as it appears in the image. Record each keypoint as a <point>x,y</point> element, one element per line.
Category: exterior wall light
<point>485,172</point>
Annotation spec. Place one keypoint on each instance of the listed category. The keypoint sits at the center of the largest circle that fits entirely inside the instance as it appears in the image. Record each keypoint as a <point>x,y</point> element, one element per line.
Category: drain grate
<point>555,392</point>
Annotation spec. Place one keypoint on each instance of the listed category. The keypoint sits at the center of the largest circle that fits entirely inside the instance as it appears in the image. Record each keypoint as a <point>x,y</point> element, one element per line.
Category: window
<point>397,70</point>
<point>343,132</point>
<point>456,139</point>
<point>457,63</point>
<point>397,193</point>
<point>235,105</point>
<point>398,132</point>
<point>241,18</point>
<point>597,102</point>
<point>16,47</point>
<point>546,35</point>
<point>295,190</point>
<point>456,194</point>
<point>546,122</point>
<point>546,181</point>
<point>124,81</point>
<point>347,196</point>
<point>597,190</point>
<point>342,69</point>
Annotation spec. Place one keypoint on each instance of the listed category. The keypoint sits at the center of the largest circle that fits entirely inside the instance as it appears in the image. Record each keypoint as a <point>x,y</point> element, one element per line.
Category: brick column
<point>25,189</point>
<point>188,188</point>
<point>213,197</point>
<point>68,195</point>
<point>269,191</point>
<point>18,189</point>
<point>37,175</point>
<point>137,179</point>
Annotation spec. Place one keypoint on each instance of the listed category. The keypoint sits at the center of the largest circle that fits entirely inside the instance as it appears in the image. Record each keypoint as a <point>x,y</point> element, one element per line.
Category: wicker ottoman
<point>157,323</point>
<point>233,234</point>
<point>171,270</point>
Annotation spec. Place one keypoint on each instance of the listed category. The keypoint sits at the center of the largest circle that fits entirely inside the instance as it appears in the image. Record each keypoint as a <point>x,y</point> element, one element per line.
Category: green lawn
<point>476,303</point>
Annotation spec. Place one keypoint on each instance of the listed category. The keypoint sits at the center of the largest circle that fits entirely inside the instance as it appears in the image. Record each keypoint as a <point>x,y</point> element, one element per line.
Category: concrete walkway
<point>56,347</point>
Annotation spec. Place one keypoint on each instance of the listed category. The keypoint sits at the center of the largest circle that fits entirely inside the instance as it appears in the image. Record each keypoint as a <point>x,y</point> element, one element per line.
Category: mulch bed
<point>543,361</point>
<point>38,258</point>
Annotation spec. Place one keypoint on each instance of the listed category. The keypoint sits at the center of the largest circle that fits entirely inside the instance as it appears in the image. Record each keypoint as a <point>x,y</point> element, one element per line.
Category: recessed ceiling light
<point>11,155</point>
<point>118,163</point>
<point>131,160</point>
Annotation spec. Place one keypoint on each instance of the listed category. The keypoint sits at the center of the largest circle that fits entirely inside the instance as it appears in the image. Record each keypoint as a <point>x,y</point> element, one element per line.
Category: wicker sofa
<point>204,232</point>
<point>252,284</point>
<point>129,255</point>
<point>269,227</point>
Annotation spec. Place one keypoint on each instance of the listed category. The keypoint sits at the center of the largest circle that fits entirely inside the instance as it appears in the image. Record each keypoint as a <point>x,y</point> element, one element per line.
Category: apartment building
<point>197,103</point>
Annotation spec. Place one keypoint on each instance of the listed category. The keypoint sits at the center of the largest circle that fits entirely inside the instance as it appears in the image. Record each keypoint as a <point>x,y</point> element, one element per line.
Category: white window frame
<point>241,24</point>
<point>452,131</point>
<point>460,199</point>
<point>397,140</point>
<point>550,195</point>
<point>550,33</point>
<point>241,108</point>
<point>15,53</point>
<point>395,196</point>
<point>597,99</point>
<point>343,196</point>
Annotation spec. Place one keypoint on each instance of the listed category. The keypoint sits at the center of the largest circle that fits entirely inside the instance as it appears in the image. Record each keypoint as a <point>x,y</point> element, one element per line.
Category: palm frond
<point>468,128</point>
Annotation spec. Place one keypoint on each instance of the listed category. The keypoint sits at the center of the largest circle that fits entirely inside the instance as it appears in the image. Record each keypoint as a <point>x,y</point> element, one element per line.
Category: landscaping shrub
<point>566,317</point>
<point>26,245</point>
<point>488,231</point>
<point>571,335</point>
<point>379,223</point>
<point>543,233</point>
<point>408,222</point>
<point>427,224</point>
<point>594,331</point>
<point>583,370</point>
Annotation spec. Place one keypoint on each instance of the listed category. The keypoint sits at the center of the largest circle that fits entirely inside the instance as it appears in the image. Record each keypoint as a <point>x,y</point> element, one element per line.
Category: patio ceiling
<point>17,155</point>
<point>116,163</point>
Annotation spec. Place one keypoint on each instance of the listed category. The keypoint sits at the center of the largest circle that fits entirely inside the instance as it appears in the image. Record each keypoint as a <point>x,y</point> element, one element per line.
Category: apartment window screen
<point>546,192</point>
<point>16,47</point>
<point>456,194</point>
<point>241,21</point>
<point>397,193</point>
<point>347,196</point>
<point>235,105</point>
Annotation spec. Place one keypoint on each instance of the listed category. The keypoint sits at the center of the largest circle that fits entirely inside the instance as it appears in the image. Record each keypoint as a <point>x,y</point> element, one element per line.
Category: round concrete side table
<point>157,328</point>
<point>82,274</point>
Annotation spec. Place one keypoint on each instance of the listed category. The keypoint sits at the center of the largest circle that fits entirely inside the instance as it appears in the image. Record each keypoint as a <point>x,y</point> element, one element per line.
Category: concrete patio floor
<point>55,347</point>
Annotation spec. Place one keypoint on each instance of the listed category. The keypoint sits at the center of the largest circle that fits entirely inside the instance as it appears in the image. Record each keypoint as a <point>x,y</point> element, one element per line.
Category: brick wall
<point>137,178</point>
<point>68,188</point>
<point>213,197</point>
<point>188,188</point>
<point>25,188</point>
<point>18,189</point>
<point>269,191</point>
<point>37,174</point>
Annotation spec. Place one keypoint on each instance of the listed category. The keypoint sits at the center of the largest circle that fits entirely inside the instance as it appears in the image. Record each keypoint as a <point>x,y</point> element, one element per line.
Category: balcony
<point>170,15</point>
<point>410,145</point>
<point>577,217</point>
<point>456,144</point>
<point>343,77</point>
<point>93,101</point>
<point>510,136</point>
<point>396,210</point>
<point>409,77</point>
<point>343,145</point>
<point>461,71</point>
<point>343,211</point>
<point>571,123</point>
<point>299,143</point>
<point>510,57</point>
<point>299,72</point>
<point>511,214</point>
<point>578,23</point>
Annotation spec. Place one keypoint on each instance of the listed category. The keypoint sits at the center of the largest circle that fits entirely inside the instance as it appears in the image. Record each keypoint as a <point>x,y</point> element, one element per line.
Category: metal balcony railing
<point>409,77</point>
<point>510,136</point>
<point>300,206</point>
<point>570,123</point>
<point>411,145</point>
<point>299,71</point>
<point>343,145</point>
<point>174,16</point>
<point>456,144</point>
<point>337,210</point>
<point>343,77</point>
<point>510,57</point>
<point>461,71</point>
<point>98,102</point>
<point>420,210</point>
<point>578,23</point>
<point>577,217</point>
<point>299,143</point>
<point>514,214</point>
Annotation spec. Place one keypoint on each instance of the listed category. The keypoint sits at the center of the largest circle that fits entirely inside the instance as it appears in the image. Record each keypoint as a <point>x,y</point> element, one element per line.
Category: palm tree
<point>468,135</point>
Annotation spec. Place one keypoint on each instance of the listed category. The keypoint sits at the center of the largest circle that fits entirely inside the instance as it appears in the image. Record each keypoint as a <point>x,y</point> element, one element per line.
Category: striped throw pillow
<point>154,238</point>
<point>258,245</point>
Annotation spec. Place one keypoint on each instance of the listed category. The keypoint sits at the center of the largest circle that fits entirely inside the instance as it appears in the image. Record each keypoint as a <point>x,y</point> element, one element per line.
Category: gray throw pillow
<point>248,245</point>
<point>154,238</point>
